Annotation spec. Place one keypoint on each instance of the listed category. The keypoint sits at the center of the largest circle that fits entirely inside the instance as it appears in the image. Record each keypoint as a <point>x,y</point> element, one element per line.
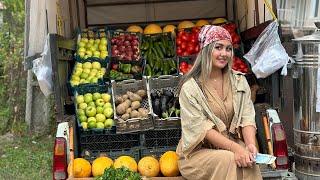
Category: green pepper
<point>126,68</point>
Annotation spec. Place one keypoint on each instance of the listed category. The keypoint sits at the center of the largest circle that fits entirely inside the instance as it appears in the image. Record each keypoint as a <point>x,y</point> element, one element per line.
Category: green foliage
<point>122,173</point>
<point>12,74</point>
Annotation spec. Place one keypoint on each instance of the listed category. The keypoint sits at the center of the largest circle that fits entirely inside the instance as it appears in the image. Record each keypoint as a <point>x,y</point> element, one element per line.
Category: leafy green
<point>122,173</point>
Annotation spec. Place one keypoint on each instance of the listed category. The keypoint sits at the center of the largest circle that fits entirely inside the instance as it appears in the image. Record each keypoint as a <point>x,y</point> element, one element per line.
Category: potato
<point>142,93</point>
<point>124,97</point>
<point>128,103</point>
<point>125,116</point>
<point>121,108</point>
<point>143,112</point>
<point>135,105</point>
<point>134,97</point>
<point>134,114</point>
<point>128,111</point>
<point>119,100</point>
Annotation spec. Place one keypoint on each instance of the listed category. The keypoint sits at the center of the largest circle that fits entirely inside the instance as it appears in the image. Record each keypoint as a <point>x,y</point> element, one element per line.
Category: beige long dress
<point>206,162</point>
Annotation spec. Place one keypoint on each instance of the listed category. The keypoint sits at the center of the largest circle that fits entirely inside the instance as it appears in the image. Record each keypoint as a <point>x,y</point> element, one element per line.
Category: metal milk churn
<point>306,82</point>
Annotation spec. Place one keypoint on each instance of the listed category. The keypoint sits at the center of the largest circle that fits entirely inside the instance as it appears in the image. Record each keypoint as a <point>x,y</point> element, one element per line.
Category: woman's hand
<point>241,156</point>
<point>253,151</point>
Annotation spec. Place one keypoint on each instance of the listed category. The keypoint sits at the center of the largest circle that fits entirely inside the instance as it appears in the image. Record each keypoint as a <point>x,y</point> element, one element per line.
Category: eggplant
<point>163,103</point>
<point>156,107</point>
<point>168,93</point>
<point>154,95</point>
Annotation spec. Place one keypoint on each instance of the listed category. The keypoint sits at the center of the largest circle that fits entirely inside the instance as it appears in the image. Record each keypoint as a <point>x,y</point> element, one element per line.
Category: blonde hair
<point>202,66</point>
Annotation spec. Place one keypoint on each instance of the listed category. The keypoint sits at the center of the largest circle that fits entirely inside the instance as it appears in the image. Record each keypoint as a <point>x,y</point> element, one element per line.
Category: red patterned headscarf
<point>211,33</point>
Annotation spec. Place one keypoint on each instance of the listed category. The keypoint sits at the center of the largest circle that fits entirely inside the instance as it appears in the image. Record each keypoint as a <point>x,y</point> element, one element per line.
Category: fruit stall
<point>120,82</point>
<point>125,88</point>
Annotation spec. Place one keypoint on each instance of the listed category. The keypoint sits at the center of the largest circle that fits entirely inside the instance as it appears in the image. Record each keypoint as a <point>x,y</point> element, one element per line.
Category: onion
<point>113,41</point>
<point>115,52</point>
<point>122,48</point>
<point>126,43</point>
<point>135,42</point>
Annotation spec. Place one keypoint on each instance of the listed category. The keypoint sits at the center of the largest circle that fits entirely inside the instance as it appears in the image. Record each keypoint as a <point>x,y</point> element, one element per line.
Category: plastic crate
<point>95,141</point>
<point>156,85</point>
<point>113,154</point>
<point>101,81</point>
<point>156,151</point>
<point>93,34</point>
<point>126,76</point>
<point>160,54</point>
<point>92,89</point>
<point>161,138</point>
<point>133,124</point>
<point>115,34</point>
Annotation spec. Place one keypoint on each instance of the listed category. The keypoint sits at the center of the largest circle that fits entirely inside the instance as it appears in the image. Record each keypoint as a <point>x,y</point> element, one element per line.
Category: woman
<point>217,115</point>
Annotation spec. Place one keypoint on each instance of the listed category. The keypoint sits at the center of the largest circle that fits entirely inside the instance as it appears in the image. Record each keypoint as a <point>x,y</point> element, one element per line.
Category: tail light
<point>60,159</point>
<point>280,148</point>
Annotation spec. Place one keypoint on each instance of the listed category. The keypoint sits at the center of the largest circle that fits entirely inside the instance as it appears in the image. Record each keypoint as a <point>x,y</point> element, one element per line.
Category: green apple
<point>91,111</point>
<point>92,104</point>
<point>84,40</point>
<point>83,106</point>
<point>87,65</point>
<point>99,75</point>
<point>108,123</point>
<point>82,54</point>
<point>92,73</point>
<point>75,78</point>
<point>92,124</point>
<point>96,54</point>
<point>94,80</point>
<point>100,125</point>
<point>99,102</point>
<point>91,119</point>
<point>78,65</point>
<point>74,83</point>
<point>102,47</point>
<point>108,112</point>
<point>81,49</point>
<point>84,125</point>
<point>88,97</point>
<point>81,44</point>
<point>103,41</point>
<point>82,118</point>
<point>88,53</point>
<point>86,70</point>
<point>100,117</point>
<point>103,55</point>
<point>99,110</point>
<point>86,81</point>
<point>80,99</point>
<point>96,96</point>
<point>107,105</point>
<point>106,97</point>
<point>93,49</point>
<point>103,70</point>
<point>91,41</point>
<point>97,41</point>
<point>96,65</point>
<point>84,75</point>
<point>80,112</point>
<point>78,72</point>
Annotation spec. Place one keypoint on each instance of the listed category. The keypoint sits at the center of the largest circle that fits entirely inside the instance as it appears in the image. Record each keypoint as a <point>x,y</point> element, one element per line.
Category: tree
<point>12,74</point>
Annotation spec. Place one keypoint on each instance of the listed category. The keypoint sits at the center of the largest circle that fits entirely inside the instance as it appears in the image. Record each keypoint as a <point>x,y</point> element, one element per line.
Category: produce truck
<point>61,30</point>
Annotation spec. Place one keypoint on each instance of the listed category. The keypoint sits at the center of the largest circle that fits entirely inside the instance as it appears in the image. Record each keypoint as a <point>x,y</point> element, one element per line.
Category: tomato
<point>179,51</point>
<point>185,53</point>
<point>180,33</point>
<point>197,48</point>
<point>115,66</point>
<point>195,30</point>
<point>183,46</point>
<point>184,37</point>
<point>183,64</point>
<point>178,41</point>
<point>190,48</point>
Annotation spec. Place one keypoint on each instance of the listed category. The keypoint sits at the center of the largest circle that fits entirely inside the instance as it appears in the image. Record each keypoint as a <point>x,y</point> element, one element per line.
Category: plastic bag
<point>42,68</point>
<point>267,54</point>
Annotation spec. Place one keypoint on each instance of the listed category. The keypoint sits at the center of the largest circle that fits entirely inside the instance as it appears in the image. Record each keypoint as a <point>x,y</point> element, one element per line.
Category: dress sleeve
<point>248,114</point>
<point>194,122</point>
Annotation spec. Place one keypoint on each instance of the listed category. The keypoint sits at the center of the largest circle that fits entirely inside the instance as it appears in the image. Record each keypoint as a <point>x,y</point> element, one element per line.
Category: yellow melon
<point>152,29</point>
<point>135,28</point>
<point>169,28</point>
<point>219,21</point>
<point>126,161</point>
<point>185,24</point>
<point>149,166</point>
<point>100,164</point>
<point>169,164</point>
<point>81,168</point>
<point>202,22</point>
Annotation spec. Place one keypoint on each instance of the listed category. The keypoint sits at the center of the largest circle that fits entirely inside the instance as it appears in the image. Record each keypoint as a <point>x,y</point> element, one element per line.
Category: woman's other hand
<point>241,156</point>
<point>253,151</point>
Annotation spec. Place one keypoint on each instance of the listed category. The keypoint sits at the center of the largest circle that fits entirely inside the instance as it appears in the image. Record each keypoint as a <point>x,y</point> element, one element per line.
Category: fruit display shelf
<point>93,44</point>
<point>94,103</point>
<point>164,102</point>
<point>124,122</point>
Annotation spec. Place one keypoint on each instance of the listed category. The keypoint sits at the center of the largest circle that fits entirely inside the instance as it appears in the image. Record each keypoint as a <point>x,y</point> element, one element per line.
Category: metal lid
<point>315,37</point>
